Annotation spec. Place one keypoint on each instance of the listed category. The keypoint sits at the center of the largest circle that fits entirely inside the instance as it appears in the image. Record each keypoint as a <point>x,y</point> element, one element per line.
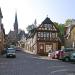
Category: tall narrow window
<point>50,35</point>
<point>56,35</point>
<point>47,33</point>
<point>38,34</point>
<point>44,35</point>
<point>41,34</point>
<point>53,35</point>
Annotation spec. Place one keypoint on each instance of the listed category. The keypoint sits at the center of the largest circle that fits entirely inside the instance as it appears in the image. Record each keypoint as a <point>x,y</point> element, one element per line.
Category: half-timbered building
<point>45,38</point>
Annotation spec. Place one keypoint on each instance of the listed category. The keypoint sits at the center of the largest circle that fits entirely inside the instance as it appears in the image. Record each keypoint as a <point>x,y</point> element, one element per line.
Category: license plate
<point>10,55</point>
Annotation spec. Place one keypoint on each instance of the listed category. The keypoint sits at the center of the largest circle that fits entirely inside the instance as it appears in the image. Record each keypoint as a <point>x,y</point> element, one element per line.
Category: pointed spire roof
<point>47,21</point>
<point>16,21</point>
<point>1,13</point>
<point>35,22</point>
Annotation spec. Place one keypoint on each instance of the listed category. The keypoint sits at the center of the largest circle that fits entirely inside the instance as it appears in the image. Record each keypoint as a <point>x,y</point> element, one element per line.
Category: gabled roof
<point>21,34</point>
<point>70,28</point>
<point>47,21</point>
<point>68,31</point>
<point>1,13</point>
<point>11,33</point>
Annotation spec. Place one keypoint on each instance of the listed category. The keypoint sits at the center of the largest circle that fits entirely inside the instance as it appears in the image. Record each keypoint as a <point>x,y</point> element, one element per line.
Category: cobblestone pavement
<point>28,64</point>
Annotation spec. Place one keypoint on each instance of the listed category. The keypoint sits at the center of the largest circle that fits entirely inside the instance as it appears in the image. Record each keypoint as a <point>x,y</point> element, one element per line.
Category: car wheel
<point>67,59</point>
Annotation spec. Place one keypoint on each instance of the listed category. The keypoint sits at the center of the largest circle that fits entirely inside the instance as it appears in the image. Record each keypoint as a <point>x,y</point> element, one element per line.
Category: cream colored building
<point>70,36</point>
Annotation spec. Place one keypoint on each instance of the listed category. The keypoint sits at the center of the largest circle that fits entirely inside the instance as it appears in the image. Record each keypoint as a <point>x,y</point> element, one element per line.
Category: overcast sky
<point>29,10</point>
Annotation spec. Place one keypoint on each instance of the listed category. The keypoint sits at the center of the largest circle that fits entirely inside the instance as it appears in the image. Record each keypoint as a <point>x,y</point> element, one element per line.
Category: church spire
<point>1,13</point>
<point>16,24</point>
<point>35,22</point>
<point>16,21</point>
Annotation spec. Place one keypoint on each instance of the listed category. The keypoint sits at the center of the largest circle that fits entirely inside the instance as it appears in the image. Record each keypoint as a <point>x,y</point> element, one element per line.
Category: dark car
<point>67,54</point>
<point>18,49</point>
<point>11,52</point>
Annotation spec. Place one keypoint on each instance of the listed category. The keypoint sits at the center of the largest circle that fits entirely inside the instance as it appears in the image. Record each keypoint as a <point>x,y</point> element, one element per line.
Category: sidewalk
<point>28,51</point>
<point>38,56</point>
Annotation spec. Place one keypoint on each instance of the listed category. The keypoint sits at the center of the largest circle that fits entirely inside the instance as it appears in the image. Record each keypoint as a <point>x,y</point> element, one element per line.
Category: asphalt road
<point>27,64</point>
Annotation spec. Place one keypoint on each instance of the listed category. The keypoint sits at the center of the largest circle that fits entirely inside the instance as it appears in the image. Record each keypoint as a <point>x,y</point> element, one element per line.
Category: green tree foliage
<point>56,24</point>
<point>68,22</point>
<point>61,29</point>
<point>30,27</point>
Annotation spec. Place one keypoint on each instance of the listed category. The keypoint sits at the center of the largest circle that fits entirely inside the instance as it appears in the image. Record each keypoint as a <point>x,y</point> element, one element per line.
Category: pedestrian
<point>50,55</point>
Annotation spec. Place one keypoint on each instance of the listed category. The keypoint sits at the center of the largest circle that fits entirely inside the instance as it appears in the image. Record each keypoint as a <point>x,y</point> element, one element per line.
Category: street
<point>27,64</point>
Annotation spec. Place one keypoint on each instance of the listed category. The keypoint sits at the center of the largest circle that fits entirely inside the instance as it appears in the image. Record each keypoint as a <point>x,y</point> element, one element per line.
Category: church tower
<point>1,16</point>
<point>16,25</point>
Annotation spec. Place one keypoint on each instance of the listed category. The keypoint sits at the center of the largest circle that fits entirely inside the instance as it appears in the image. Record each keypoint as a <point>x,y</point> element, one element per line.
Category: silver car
<point>11,52</point>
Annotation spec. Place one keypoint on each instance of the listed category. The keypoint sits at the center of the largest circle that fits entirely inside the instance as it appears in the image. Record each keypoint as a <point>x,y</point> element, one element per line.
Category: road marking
<point>55,66</point>
<point>58,71</point>
<point>3,63</point>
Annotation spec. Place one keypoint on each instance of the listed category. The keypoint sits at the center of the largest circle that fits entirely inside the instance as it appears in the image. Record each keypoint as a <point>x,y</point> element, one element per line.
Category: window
<point>53,35</point>
<point>56,34</point>
<point>38,34</point>
<point>39,28</point>
<point>41,34</point>
<point>49,26</point>
<point>47,34</point>
<point>50,35</point>
<point>44,34</point>
<point>46,26</point>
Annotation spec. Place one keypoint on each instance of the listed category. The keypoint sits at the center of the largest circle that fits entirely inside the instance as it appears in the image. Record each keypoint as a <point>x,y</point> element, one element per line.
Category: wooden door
<point>41,48</point>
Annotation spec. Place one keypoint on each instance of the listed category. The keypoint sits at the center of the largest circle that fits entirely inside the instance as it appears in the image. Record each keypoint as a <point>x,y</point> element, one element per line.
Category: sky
<point>29,10</point>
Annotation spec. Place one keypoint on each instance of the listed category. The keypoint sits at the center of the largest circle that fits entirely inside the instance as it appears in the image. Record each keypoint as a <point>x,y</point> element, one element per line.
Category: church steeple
<point>1,16</point>
<point>16,24</point>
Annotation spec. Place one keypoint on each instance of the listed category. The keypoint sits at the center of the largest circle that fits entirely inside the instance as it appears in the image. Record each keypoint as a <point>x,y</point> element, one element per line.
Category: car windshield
<point>11,50</point>
<point>68,49</point>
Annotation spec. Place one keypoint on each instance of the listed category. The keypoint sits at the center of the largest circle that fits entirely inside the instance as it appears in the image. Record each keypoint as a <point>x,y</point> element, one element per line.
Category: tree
<point>30,27</point>
<point>61,29</point>
<point>68,22</point>
<point>56,24</point>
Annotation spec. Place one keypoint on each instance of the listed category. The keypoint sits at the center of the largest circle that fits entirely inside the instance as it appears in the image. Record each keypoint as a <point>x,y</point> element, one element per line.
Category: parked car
<point>10,52</point>
<point>18,49</point>
<point>72,56</point>
<point>67,54</point>
<point>55,54</point>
